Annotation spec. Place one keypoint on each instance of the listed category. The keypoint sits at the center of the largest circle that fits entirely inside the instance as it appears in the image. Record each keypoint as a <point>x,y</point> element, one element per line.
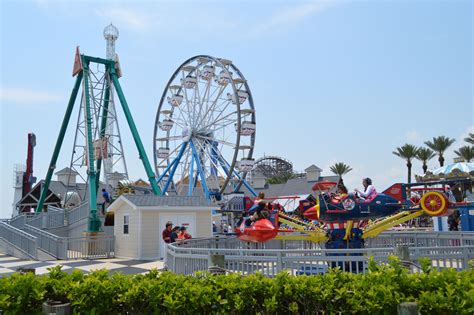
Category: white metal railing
<point>18,221</point>
<point>77,214</point>
<point>53,218</point>
<point>300,257</point>
<point>84,247</point>
<point>420,239</point>
<point>36,220</point>
<point>19,239</point>
<point>50,243</point>
<point>91,247</point>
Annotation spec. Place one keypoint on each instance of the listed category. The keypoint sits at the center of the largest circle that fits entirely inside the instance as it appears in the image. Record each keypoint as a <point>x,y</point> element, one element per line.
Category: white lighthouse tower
<point>111,34</point>
<point>115,167</point>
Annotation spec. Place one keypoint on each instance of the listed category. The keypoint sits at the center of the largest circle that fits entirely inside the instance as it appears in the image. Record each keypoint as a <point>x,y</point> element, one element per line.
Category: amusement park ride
<point>95,115</point>
<point>205,130</point>
<point>344,221</point>
<point>204,137</point>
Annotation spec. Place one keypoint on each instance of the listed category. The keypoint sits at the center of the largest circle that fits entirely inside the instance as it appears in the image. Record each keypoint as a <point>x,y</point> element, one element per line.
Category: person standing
<point>166,234</point>
<point>107,199</point>
<point>453,221</point>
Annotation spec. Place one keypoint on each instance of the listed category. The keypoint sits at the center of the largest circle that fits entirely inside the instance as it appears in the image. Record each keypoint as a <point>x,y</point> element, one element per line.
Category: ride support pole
<point>103,125</point>
<point>59,142</point>
<point>133,129</point>
<point>94,221</point>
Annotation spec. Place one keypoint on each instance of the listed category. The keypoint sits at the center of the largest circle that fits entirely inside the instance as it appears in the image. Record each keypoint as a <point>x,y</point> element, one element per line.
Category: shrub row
<point>377,292</point>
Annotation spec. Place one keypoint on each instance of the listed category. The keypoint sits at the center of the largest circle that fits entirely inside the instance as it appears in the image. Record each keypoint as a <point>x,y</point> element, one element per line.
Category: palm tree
<point>407,152</point>
<point>470,139</point>
<point>466,152</point>
<point>440,145</point>
<point>340,169</point>
<point>424,155</point>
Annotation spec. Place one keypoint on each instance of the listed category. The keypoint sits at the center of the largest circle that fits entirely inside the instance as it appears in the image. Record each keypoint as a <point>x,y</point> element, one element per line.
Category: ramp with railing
<point>31,232</point>
<point>20,240</point>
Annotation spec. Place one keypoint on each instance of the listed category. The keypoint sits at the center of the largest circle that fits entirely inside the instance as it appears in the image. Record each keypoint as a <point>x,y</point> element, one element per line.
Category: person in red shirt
<point>167,232</point>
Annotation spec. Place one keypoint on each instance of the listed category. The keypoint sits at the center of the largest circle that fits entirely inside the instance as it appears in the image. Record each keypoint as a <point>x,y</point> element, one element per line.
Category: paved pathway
<point>9,265</point>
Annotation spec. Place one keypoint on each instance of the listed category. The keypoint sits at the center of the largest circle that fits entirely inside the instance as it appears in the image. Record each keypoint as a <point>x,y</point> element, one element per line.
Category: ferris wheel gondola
<point>205,129</point>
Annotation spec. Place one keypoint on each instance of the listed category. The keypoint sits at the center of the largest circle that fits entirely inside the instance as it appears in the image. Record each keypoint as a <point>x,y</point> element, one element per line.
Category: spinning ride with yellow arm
<point>344,221</point>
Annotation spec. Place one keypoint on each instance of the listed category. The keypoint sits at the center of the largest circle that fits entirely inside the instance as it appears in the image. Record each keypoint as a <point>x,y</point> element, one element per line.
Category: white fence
<point>19,239</point>
<point>84,247</point>
<point>52,244</point>
<point>421,239</point>
<point>91,247</point>
<point>77,214</point>
<point>47,220</point>
<point>301,257</point>
<point>27,232</point>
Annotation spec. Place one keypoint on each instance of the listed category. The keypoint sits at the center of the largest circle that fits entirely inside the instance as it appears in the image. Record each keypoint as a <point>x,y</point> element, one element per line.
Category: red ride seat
<point>335,199</point>
<point>261,231</point>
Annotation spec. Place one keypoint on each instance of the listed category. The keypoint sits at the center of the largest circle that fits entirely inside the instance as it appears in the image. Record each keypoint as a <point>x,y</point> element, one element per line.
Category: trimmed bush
<point>377,292</point>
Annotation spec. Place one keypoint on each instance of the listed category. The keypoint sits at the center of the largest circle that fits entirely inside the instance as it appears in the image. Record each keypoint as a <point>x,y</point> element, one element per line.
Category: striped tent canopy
<point>460,170</point>
<point>461,166</point>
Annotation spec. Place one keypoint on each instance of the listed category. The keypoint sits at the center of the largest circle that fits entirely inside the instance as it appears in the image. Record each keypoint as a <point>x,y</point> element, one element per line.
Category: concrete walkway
<point>9,265</point>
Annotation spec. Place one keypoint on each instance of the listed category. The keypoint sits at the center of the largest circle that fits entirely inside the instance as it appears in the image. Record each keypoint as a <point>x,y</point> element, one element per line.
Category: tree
<point>424,155</point>
<point>440,145</point>
<point>466,152</point>
<point>280,179</point>
<point>407,152</point>
<point>470,139</point>
<point>340,169</point>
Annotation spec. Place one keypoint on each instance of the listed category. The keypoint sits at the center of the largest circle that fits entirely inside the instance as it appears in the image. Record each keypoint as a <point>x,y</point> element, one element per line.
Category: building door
<point>185,219</point>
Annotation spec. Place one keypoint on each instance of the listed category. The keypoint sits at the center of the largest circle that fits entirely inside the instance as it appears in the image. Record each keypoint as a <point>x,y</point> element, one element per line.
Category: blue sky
<point>331,80</point>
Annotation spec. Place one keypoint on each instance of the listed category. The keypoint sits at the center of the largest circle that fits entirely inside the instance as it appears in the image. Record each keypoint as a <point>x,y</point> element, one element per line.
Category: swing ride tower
<point>94,113</point>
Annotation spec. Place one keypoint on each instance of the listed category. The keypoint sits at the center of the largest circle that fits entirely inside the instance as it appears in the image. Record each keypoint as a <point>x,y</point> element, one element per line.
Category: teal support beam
<point>103,126</point>
<point>136,136</point>
<point>107,62</point>
<point>94,222</point>
<point>59,142</point>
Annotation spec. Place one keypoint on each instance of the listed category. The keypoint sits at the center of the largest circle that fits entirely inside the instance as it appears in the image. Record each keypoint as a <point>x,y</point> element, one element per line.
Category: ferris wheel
<point>205,129</point>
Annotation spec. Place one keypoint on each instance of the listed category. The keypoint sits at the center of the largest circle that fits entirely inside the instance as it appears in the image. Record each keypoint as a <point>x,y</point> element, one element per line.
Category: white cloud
<point>291,15</point>
<point>27,96</point>
<point>413,136</point>
<point>126,17</point>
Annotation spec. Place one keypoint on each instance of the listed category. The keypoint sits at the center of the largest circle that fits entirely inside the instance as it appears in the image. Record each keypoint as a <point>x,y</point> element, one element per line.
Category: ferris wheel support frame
<point>225,165</point>
<point>174,167</point>
<point>93,173</point>
<point>191,177</point>
<point>200,171</point>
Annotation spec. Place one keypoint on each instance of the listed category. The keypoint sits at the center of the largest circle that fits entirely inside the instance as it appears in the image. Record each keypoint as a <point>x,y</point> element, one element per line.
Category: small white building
<point>140,220</point>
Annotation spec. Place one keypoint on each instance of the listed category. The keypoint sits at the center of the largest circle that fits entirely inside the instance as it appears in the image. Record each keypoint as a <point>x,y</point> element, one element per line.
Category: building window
<point>126,223</point>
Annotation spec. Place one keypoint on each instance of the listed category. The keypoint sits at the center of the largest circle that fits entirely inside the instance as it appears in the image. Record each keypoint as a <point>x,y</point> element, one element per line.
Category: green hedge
<point>336,292</point>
